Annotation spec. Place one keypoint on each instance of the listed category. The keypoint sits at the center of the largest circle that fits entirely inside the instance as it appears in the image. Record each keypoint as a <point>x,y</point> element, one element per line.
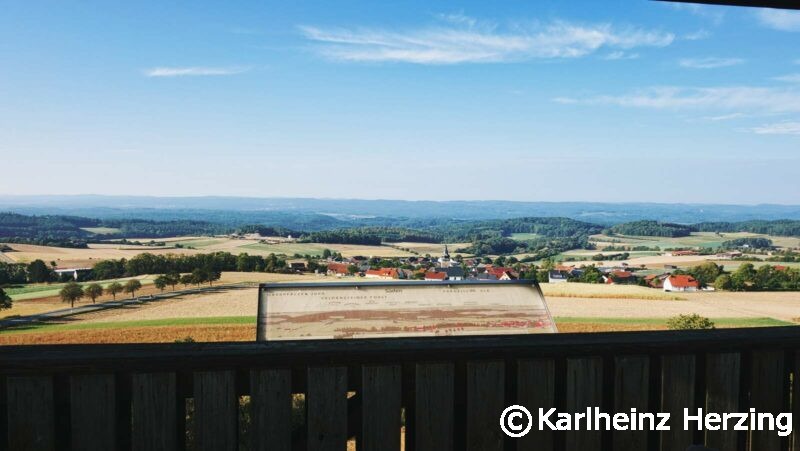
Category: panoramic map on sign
<point>368,310</point>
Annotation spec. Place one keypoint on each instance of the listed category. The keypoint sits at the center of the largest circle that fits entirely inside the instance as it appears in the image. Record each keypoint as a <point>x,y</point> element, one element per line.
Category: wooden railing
<point>431,393</point>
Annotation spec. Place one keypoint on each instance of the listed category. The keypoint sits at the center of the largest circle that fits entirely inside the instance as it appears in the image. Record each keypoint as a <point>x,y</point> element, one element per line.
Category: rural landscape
<point>113,279</point>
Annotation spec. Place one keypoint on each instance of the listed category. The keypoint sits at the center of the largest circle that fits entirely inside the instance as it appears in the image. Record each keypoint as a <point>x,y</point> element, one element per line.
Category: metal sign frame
<point>263,288</point>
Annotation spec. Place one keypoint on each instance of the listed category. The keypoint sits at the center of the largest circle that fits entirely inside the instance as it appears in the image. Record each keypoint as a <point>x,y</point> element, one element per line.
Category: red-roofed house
<point>382,273</point>
<point>681,283</point>
<point>502,273</point>
<point>337,269</point>
<point>619,277</point>
<point>433,275</point>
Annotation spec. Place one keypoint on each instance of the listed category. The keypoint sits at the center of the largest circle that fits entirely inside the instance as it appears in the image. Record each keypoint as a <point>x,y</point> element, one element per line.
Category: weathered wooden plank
<point>485,403</point>
<point>722,395</point>
<point>767,385</point>
<point>631,391</point>
<point>584,390</point>
<point>271,410</point>
<point>216,417</point>
<point>434,406</point>
<point>380,397</point>
<point>677,393</point>
<point>93,412</point>
<point>153,411</point>
<point>326,407</point>
<point>795,408</point>
<point>536,389</point>
<point>31,413</point>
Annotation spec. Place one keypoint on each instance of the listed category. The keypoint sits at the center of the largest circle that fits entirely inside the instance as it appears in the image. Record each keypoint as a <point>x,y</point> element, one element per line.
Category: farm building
<point>382,273</point>
<point>556,276</point>
<point>337,269</point>
<point>681,283</point>
<point>433,275</point>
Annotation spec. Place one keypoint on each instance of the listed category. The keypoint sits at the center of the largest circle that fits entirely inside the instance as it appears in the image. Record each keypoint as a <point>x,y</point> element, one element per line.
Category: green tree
<point>132,286</point>
<point>326,253</point>
<point>689,322</point>
<point>39,272</point>
<point>723,282</point>
<point>113,289</point>
<point>94,291</point>
<point>706,273</point>
<point>199,276</point>
<point>186,280</point>
<point>71,292</point>
<point>352,269</point>
<point>161,282</point>
<point>173,279</point>
<point>5,300</point>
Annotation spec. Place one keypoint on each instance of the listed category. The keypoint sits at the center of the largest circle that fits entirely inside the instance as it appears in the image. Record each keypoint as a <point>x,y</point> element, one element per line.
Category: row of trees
<point>73,291</point>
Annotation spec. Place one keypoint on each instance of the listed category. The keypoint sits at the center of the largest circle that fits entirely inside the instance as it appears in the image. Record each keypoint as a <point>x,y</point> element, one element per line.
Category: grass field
<point>42,290</point>
<point>697,239</point>
<point>585,290</point>
<point>242,328</point>
<point>102,230</point>
<point>525,236</point>
<point>71,258</point>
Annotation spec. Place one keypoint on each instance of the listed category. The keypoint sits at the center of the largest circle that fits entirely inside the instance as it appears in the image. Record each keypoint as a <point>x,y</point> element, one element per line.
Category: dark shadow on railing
<point>432,393</point>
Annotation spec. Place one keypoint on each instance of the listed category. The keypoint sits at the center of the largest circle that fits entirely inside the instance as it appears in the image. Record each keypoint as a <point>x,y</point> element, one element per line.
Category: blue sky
<point>583,100</point>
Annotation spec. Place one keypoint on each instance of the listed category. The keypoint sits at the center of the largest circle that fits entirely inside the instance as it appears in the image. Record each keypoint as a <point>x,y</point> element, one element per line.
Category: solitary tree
<point>132,286</point>
<point>71,293</point>
<point>94,291</point>
<point>39,272</point>
<point>161,282</point>
<point>113,289</point>
<point>5,300</point>
<point>173,279</point>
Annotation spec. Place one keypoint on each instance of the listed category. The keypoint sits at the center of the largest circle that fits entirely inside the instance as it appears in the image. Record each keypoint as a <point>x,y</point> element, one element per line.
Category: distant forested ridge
<point>68,231</point>
<point>652,228</point>
<point>780,227</point>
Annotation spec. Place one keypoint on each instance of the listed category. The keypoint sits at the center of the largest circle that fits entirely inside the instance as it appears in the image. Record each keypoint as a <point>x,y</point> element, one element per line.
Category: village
<point>447,268</point>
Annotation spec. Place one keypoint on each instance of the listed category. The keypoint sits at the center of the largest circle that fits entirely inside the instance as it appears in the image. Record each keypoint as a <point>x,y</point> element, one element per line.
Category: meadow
<point>229,315</point>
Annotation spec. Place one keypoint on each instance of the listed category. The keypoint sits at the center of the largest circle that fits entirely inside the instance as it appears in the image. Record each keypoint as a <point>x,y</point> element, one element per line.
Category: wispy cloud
<point>709,63</point>
<point>697,35</point>
<point>620,55</point>
<point>780,128</point>
<point>738,98</point>
<point>725,117</point>
<point>193,71</point>
<point>465,40</point>
<point>714,14</point>
<point>790,78</point>
<point>778,19</point>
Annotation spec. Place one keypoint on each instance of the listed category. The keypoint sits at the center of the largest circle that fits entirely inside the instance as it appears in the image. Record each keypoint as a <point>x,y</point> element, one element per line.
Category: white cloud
<point>780,128</point>
<point>193,71</point>
<point>737,98</point>
<point>709,63</point>
<point>779,19</point>
<point>620,55</point>
<point>464,41</point>
<point>697,35</point>
<point>790,78</point>
<point>715,14</point>
<point>725,117</point>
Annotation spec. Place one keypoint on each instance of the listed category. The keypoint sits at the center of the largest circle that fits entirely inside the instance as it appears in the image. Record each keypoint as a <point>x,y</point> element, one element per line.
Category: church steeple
<point>446,253</point>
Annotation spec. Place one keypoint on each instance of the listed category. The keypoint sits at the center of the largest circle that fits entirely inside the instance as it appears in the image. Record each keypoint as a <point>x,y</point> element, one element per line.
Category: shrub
<point>689,322</point>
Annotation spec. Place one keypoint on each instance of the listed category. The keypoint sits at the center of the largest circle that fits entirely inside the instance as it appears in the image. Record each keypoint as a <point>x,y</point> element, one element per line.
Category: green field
<point>126,324</point>
<point>315,249</point>
<point>199,242</point>
<point>719,322</point>
<point>525,236</point>
<point>34,291</point>
<point>697,239</point>
<point>102,230</point>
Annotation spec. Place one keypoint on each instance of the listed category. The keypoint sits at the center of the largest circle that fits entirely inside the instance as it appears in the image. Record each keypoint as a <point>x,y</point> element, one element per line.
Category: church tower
<point>444,260</point>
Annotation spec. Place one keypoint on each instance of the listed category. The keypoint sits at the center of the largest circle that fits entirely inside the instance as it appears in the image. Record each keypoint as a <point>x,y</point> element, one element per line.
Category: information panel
<point>401,309</point>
